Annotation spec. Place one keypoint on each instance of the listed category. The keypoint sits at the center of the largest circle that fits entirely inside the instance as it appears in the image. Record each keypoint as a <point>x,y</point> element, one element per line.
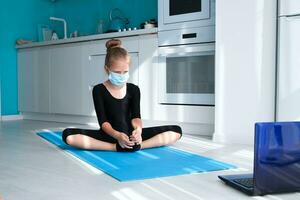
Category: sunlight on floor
<point>271,197</point>
<point>180,189</point>
<point>148,155</point>
<point>128,194</point>
<point>240,169</point>
<point>244,154</point>
<point>205,145</point>
<point>100,159</point>
<point>157,191</point>
<point>87,166</point>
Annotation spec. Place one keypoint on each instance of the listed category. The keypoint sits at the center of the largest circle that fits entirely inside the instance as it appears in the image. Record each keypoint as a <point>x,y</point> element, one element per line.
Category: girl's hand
<point>124,141</point>
<point>136,136</point>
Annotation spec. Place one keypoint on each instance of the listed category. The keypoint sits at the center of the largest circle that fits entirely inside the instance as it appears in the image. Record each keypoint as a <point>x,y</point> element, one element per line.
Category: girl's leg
<point>86,142</point>
<point>88,139</point>
<point>160,136</point>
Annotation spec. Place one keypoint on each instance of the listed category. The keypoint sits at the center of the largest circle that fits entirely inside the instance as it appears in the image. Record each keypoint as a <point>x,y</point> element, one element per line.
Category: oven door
<point>175,11</point>
<point>187,74</point>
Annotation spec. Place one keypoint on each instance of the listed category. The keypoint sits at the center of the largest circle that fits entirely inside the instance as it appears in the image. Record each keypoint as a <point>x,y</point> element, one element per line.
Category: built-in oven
<point>186,35</point>
<point>186,74</point>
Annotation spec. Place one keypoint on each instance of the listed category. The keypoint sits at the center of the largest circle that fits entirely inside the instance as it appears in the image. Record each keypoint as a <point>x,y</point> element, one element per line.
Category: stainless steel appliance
<point>187,74</point>
<point>185,21</point>
<point>186,36</point>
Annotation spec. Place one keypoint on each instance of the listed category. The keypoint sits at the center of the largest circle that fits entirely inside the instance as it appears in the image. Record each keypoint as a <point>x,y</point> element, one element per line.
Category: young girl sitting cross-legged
<point>117,104</point>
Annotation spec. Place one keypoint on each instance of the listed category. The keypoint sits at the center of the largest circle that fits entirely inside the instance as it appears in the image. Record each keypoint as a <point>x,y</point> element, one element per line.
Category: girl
<point>117,104</point>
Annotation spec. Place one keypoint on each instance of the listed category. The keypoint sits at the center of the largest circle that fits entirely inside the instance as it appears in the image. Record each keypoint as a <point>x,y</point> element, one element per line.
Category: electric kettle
<point>117,20</point>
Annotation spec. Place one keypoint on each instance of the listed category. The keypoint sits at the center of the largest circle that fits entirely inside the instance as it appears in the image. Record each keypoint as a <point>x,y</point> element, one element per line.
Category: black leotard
<point>118,112</point>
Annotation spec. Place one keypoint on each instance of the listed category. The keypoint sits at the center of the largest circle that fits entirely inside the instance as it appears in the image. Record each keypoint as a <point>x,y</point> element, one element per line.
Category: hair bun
<point>113,43</point>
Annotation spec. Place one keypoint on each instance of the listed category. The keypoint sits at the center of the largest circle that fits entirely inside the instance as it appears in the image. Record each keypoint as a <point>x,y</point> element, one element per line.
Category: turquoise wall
<point>82,15</point>
<point>19,19</point>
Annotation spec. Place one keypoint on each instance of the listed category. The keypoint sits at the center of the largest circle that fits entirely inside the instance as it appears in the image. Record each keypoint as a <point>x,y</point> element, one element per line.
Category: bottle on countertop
<point>54,36</point>
<point>100,26</point>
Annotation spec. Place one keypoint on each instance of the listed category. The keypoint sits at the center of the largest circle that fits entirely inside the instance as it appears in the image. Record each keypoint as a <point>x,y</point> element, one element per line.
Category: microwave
<point>180,14</point>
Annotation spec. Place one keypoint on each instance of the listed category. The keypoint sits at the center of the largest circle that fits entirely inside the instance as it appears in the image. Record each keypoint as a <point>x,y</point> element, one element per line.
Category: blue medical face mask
<point>118,79</point>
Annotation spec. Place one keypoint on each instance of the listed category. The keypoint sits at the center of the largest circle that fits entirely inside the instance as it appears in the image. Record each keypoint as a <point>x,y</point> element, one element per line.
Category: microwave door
<point>189,10</point>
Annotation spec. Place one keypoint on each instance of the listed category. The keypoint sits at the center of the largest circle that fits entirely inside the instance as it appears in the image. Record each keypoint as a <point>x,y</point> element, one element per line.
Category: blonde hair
<point>114,51</point>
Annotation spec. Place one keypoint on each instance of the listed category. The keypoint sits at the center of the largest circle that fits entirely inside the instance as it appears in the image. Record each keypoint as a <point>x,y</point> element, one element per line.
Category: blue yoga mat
<point>143,164</point>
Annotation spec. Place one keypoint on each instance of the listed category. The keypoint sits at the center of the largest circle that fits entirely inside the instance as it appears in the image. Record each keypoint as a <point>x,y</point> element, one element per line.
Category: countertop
<point>90,38</point>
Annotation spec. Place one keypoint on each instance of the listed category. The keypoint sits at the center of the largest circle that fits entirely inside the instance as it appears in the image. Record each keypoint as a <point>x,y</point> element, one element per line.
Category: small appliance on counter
<point>44,33</point>
<point>74,34</point>
<point>54,36</point>
<point>149,24</point>
<point>117,21</point>
<point>100,26</point>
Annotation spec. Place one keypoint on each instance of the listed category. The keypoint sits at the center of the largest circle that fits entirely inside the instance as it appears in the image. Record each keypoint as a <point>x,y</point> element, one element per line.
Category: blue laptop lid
<point>277,157</point>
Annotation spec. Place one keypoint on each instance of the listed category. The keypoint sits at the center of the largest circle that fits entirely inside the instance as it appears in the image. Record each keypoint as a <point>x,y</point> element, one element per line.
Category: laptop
<point>276,161</point>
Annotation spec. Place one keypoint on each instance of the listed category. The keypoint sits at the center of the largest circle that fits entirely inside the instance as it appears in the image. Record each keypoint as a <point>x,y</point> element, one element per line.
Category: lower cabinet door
<point>66,80</point>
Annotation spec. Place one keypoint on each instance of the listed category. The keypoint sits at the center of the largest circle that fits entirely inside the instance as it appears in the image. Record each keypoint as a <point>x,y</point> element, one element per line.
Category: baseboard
<point>187,128</point>
<point>235,139</point>
<point>11,117</point>
<point>61,118</point>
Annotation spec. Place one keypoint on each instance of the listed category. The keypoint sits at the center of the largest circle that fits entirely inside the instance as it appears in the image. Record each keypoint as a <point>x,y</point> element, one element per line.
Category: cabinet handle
<point>189,35</point>
<point>95,55</point>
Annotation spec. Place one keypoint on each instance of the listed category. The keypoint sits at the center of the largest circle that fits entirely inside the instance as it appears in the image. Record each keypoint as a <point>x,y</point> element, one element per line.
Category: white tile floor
<point>33,169</point>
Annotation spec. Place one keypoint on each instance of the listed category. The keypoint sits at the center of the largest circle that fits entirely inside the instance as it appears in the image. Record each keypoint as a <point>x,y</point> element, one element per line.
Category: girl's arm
<point>122,138</point>
<point>107,128</point>
<point>136,121</point>
<point>136,135</point>
<point>102,119</point>
<point>137,124</point>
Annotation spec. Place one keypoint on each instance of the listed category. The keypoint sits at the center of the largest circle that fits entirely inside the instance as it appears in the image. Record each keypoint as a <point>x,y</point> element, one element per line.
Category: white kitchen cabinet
<point>289,7</point>
<point>147,67</point>
<point>245,68</point>
<point>26,63</point>
<point>34,80</point>
<point>92,75</point>
<point>59,79</point>
<point>56,82</point>
<point>66,79</point>
<point>288,94</point>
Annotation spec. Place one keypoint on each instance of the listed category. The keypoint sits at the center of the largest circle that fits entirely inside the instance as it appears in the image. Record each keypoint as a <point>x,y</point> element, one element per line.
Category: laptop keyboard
<point>246,182</point>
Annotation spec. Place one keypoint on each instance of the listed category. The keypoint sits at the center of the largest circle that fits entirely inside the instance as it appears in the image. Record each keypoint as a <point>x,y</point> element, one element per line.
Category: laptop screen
<point>277,157</point>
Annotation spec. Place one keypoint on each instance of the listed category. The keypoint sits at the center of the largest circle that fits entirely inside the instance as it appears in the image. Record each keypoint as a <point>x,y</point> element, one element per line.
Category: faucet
<point>65,24</point>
